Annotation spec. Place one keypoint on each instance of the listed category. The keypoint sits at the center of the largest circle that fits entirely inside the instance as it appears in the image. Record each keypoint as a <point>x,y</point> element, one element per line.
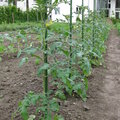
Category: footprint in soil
<point>2,89</point>
<point>5,84</point>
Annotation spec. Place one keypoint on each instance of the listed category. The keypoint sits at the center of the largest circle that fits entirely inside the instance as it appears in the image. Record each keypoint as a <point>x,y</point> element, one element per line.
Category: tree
<point>27,5</point>
<point>27,9</point>
<point>13,1</point>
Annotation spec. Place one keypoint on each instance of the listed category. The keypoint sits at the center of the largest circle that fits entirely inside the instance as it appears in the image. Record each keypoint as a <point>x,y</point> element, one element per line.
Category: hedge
<point>11,14</point>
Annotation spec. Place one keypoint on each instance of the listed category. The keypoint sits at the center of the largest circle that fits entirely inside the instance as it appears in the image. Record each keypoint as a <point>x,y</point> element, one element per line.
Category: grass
<point>59,27</point>
<point>116,23</point>
<point>18,26</point>
<point>56,26</point>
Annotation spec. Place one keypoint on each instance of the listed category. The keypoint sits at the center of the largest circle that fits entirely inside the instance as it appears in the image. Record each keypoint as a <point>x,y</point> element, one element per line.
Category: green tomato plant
<point>69,65</point>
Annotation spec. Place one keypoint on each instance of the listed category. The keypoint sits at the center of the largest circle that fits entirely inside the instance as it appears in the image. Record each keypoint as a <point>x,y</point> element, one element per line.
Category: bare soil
<point>103,95</point>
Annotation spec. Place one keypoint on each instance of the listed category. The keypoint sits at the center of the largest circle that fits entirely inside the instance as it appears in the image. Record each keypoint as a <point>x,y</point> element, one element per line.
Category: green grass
<point>2,48</point>
<point>115,21</point>
<point>59,27</point>
<point>18,26</point>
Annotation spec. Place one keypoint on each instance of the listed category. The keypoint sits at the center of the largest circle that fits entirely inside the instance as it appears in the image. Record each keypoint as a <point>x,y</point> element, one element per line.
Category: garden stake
<point>70,62</point>
<point>46,61</point>
<point>82,20</point>
<point>27,9</point>
<point>94,22</point>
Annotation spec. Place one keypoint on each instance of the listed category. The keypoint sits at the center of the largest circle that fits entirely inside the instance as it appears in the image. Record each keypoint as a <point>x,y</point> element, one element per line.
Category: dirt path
<point>106,105</point>
<point>103,94</point>
<point>111,88</point>
<point>112,77</point>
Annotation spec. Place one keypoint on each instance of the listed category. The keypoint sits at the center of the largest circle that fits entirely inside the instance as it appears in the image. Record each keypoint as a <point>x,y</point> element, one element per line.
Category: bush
<point>114,20</point>
<point>11,14</point>
<point>118,27</point>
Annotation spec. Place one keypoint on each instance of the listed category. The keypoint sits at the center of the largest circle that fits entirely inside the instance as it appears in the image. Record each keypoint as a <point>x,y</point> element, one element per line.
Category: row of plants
<point>83,59</point>
<point>72,51</point>
<point>11,14</point>
<point>12,42</point>
<point>72,57</point>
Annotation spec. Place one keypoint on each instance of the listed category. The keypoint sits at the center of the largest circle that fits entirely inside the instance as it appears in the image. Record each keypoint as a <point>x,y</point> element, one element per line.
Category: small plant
<point>47,106</point>
<point>42,102</point>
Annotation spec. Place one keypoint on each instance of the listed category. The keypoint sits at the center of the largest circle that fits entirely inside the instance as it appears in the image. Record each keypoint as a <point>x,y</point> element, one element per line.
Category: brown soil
<point>103,95</point>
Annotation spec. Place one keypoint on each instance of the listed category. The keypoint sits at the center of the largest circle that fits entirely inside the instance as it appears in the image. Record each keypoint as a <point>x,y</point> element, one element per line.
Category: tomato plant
<point>68,55</point>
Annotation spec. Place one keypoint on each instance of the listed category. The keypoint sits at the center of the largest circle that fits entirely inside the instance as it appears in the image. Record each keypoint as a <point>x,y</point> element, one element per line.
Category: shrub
<point>114,20</point>
<point>11,14</point>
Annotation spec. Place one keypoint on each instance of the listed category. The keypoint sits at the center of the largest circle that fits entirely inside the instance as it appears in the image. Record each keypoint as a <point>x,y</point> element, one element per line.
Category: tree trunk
<point>13,18</point>
<point>27,9</point>
<point>15,2</point>
<point>9,2</point>
<point>37,16</point>
<point>27,5</point>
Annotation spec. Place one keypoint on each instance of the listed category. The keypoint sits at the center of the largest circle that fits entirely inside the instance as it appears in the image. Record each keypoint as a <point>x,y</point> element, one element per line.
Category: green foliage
<point>11,14</point>
<point>118,26</point>
<point>2,47</point>
<point>24,60</point>
<point>71,58</point>
<point>41,69</point>
<point>114,20</point>
<point>18,26</point>
<point>60,28</point>
<point>82,59</point>
<point>43,103</point>
<point>16,42</point>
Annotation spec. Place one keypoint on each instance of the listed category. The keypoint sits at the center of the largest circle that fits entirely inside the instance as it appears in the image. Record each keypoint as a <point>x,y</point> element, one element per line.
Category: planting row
<point>67,79</point>
<point>64,53</point>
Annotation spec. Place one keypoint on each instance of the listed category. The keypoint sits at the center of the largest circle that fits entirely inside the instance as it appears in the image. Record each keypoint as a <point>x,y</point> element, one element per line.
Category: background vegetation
<point>11,14</point>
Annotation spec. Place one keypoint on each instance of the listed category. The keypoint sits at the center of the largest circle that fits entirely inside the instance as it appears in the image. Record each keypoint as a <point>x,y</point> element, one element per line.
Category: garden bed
<point>16,82</point>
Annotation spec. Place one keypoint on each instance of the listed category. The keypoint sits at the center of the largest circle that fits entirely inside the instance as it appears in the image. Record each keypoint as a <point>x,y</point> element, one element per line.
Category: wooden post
<point>27,9</point>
